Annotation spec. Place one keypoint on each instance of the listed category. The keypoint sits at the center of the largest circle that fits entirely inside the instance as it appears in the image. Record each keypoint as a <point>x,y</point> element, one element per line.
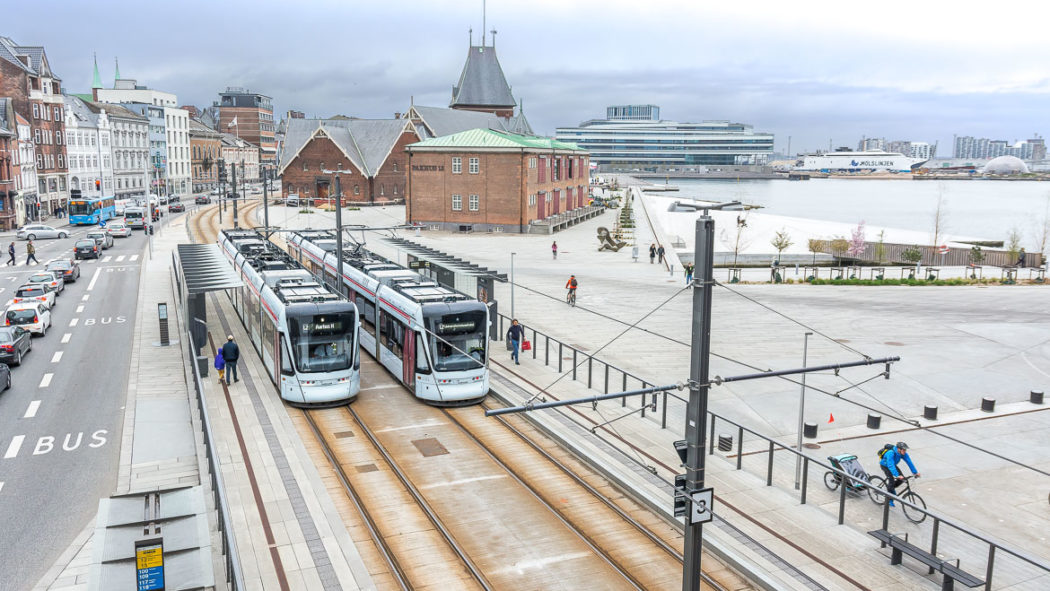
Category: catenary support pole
<point>338,234</point>
<point>512,285</point>
<point>233,184</point>
<point>266,204</point>
<point>695,423</point>
<point>801,410</point>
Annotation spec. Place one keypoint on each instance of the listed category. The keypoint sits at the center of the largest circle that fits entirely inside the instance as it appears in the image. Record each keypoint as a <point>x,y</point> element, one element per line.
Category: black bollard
<point>1035,396</point>
<point>809,431</point>
<point>725,442</point>
<point>930,412</point>
<point>988,404</point>
<point>874,421</point>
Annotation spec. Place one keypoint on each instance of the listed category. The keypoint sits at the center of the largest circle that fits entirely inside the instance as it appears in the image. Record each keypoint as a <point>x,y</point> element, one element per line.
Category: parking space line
<point>31,411</point>
<point>66,337</point>
<point>46,380</point>
<point>56,357</point>
<point>74,322</point>
<point>16,444</point>
<point>94,278</point>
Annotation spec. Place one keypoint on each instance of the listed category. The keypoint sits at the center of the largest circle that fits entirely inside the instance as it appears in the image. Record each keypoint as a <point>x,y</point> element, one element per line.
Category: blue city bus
<point>85,212</point>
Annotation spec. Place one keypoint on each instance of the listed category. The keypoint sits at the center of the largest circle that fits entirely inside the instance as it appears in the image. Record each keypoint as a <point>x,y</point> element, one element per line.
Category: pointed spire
<point>96,80</point>
<point>116,75</point>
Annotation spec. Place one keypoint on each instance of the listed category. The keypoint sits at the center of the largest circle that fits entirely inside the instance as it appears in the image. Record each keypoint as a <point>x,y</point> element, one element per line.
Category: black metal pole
<point>338,234</point>
<point>233,184</point>
<point>695,423</point>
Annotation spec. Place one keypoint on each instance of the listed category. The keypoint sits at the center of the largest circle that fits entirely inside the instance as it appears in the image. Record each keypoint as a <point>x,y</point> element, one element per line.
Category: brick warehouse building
<point>493,180</point>
<point>372,149</point>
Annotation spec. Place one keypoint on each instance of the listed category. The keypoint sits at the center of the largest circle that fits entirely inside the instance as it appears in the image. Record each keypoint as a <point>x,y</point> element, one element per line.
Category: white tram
<point>306,335</point>
<point>434,339</point>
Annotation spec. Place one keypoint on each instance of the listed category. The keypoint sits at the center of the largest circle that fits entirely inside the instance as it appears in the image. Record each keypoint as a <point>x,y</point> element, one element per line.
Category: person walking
<point>889,457</point>
<point>688,273</point>
<point>11,253</point>
<point>554,249</point>
<point>1020,259</point>
<point>31,253</point>
<point>516,334</point>
<point>660,252</point>
<point>652,253</point>
<point>220,365</point>
<point>230,354</point>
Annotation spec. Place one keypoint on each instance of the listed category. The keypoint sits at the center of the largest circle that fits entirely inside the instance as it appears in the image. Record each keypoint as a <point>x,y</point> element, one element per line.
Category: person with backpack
<point>220,365</point>
<point>889,456</point>
<point>571,285</point>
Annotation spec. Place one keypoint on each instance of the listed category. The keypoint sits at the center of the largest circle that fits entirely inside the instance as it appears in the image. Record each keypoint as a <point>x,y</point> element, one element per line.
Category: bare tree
<point>940,217</point>
<point>736,240</point>
<point>781,241</point>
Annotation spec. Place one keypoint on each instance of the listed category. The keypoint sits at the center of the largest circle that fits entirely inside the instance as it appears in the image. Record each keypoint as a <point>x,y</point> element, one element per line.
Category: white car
<point>31,316</point>
<point>118,230</point>
<point>36,292</point>
<point>51,278</point>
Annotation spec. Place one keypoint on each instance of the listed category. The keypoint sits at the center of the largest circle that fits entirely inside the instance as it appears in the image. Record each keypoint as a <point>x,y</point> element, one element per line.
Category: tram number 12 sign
<point>149,563</point>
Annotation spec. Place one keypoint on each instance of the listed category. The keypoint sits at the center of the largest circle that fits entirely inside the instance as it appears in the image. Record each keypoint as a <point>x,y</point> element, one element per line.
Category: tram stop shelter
<point>199,269</point>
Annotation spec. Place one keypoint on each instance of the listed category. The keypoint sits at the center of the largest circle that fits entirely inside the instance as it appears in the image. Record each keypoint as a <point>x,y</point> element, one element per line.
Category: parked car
<point>118,230</point>
<point>102,237</point>
<point>52,278</point>
<point>31,316</point>
<point>69,269</point>
<point>15,342</point>
<point>86,249</point>
<point>202,200</point>
<point>5,375</point>
<point>36,292</point>
<point>176,208</point>
<point>39,231</point>
<point>216,192</point>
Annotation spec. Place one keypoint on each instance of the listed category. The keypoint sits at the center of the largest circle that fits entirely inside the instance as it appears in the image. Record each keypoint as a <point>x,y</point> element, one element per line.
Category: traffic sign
<point>703,501</point>
<point>102,224</point>
<point>943,249</point>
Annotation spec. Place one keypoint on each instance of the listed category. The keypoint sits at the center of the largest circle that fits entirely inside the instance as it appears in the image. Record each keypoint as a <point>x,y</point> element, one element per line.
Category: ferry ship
<point>871,160</point>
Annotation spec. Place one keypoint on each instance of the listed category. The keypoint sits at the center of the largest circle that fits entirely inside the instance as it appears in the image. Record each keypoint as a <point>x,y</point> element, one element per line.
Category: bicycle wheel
<point>876,485</point>
<point>913,514</point>
<point>831,480</point>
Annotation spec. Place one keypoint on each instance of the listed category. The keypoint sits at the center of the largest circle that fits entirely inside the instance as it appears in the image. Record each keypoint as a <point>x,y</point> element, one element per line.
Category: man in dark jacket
<point>516,335</point>
<point>230,354</point>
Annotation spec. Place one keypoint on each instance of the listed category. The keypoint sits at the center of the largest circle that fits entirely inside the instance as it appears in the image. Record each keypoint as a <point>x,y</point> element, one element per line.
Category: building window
<point>474,202</point>
<point>532,163</point>
<point>40,161</point>
<point>36,136</point>
<point>395,167</point>
<point>532,200</point>
<point>395,190</point>
<point>58,113</point>
<point>474,167</point>
<point>382,190</point>
<point>36,111</point>
<point>457,203</point>
<point>457,165</point>
<point>61,161</point>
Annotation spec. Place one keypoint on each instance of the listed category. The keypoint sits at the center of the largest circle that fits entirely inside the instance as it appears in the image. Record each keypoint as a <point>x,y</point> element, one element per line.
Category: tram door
<point>408,364</point>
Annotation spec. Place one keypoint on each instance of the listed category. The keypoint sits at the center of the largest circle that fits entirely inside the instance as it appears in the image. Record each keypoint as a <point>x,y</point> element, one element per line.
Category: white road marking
<point>1,486</point>
<point>80,308</point>
<point>94,278</point>
<point>107,258</point>
<point>120,258</point>
<point>46,380</point>
<point>74,322</point>
<point>31,411</point>
<point>56,357</point>
<point>66,337</point>
<point>16,444</point>
<point>463,481</point>
<point>134,257</point>
<point>85,298</point>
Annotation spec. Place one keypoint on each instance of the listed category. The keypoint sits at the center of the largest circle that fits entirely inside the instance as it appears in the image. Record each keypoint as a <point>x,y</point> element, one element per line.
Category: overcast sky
<point>815,70</point>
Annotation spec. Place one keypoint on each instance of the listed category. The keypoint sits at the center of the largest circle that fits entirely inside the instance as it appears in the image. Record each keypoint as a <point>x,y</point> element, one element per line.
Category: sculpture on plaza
<point>607,241</point>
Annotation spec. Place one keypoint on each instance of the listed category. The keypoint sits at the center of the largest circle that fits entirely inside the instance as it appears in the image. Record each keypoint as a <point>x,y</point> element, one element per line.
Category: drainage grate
<point>343,434</point>
<point>364,468</point>
<point>430,447</point>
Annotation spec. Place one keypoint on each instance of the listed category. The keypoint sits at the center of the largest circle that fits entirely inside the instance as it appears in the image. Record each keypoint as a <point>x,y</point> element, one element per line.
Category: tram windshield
<point>322,342</point>
<point>457,341</point>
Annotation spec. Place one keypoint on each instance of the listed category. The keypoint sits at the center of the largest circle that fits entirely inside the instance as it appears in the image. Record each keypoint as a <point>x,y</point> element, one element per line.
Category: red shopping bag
<point>526,346</point>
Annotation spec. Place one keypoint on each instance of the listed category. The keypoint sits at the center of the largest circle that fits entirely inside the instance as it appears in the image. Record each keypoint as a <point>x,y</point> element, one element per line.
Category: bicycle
<point>877,489</point>
<point>570,298</point>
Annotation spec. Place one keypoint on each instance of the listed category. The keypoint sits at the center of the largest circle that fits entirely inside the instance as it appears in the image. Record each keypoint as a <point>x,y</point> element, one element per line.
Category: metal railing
<point>583,366</point>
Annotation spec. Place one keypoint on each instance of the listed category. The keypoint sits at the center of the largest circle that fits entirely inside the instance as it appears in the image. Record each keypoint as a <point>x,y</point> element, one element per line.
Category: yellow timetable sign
<point>149,556</point>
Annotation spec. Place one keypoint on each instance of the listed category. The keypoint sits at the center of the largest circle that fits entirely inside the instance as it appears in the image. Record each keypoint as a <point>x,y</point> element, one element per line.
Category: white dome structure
<point>1006,165</point>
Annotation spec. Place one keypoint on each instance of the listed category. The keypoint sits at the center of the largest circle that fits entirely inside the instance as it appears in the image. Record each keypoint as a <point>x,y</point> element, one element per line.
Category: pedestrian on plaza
<point>660,251</point>
<point>1020,258</point>
<point>220,365</point>
<point>688,273</point>
<point>554,249</point>
<point>516,334</point>
<point>230,354</point>
<point>652,253</point>
<point>31,253</point>
<point>11,253</point>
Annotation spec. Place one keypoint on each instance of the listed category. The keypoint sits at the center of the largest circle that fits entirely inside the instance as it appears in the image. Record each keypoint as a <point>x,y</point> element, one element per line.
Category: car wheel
<point>43,330</point>
<point>63,235</point>
<point>8,385</point>
<point>18,359</point>
<point>31,237</point>
<point>30,347</point>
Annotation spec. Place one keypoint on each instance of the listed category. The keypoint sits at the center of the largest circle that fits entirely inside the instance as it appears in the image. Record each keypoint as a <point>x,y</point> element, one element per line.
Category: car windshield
<point>457,341</point>
<point>7,335</point>
<point>41,278</point>
<point>322,342</point>
<point>21,316</point>
<point>85,243</point>
<point>58,266</point>
<point>98,235</point>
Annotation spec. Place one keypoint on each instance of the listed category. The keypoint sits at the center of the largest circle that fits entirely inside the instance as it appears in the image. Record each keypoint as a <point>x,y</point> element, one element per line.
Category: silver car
<point>102,237</point>
<point>38,231</point>
<point>118,230</point>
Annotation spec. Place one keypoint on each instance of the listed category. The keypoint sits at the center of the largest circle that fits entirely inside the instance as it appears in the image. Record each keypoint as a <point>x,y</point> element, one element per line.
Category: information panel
<point>149,562</point>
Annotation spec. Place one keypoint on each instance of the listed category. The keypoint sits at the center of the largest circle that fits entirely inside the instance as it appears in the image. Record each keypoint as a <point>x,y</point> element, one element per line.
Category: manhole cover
<point>894,343</point>
<point>430,447</point>
<point>364,468</point>
<point>811,445</point>
<point>343,434</point>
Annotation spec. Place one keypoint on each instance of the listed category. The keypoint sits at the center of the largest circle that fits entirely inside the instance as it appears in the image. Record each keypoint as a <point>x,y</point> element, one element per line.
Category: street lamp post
<point>149,207</point>
<point>338,222</point>
<point>266,204</point>
<point>801,410</point>
<point>233,184</point>
<point>512,285</point>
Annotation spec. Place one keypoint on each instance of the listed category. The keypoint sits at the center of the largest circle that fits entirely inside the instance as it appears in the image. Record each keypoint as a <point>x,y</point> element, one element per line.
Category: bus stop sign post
<point>149,564</point>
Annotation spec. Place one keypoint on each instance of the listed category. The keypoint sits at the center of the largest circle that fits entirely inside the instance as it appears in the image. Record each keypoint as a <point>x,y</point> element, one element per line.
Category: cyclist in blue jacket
<point>888,460</point>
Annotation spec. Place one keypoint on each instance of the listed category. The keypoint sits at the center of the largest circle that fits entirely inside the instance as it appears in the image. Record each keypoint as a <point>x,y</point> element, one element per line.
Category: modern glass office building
<point>625,139</point>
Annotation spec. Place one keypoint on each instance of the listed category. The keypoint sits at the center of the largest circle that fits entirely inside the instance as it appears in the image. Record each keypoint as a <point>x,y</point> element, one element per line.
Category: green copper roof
<point>490,138</point>
<point>96,81</point>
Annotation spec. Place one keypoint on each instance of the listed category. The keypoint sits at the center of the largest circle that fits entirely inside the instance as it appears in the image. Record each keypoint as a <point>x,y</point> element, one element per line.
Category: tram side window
<point>368,314</point>
<point>422,365</point>
<point>392,334</point>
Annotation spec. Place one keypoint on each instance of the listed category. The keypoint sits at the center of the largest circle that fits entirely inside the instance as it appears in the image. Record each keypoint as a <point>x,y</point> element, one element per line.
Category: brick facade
<point>513,187</point>
<point>205,152</point>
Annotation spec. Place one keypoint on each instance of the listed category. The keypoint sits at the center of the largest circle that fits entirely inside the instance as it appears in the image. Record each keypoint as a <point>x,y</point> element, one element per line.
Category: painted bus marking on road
<point>56,357</point>
<point>46,444</point>
<point>15,445</point>
<point>46,380</point>
<point>31,411</point>
<point>66,337</point>
<point>105,320</point>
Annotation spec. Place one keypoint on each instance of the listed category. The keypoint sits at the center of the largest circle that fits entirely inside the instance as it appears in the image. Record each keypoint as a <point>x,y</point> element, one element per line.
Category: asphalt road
<point>61,421</point>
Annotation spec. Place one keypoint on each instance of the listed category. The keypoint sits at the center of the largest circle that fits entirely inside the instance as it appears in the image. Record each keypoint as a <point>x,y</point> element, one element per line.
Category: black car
<point>69,269</point>
<point>5,375</point>
<point>176,208</point>
<point>15,342</point>
<point>86,249</point>
<point>202,199</point>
